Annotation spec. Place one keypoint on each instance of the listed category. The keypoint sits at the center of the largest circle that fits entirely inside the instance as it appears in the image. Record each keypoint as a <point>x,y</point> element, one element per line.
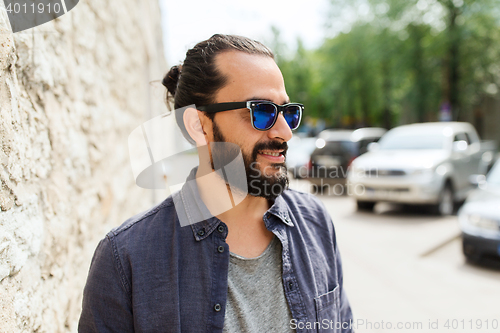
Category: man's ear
<point>194,127</point>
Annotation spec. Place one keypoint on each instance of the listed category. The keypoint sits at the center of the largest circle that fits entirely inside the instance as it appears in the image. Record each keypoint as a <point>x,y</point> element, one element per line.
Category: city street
<point>405,272</point>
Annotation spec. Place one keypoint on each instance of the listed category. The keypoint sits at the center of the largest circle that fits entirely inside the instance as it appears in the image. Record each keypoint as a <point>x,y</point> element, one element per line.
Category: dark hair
<point>197,80</point>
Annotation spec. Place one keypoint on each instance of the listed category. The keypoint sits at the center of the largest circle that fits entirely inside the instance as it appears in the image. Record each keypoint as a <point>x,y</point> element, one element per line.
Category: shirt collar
<point>280,209</point>
<point>192,211</point>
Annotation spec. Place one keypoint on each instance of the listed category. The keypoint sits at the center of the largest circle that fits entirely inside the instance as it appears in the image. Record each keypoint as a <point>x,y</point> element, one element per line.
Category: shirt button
<point>201,232</point>
<point>217,307</point>
<point>220,229</point>
<point>220,249</point>
<point>290,285</point>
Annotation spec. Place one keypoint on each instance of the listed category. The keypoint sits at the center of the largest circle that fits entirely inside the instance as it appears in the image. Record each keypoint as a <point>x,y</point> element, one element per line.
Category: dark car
<point>299,154</point>
<point>479,217</point>
<point>334,153</point>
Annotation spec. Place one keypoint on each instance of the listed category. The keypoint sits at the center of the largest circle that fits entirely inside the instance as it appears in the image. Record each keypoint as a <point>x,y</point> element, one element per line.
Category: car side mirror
<point>477,180</point>
<point>373,146</point>
<point>460,146</point>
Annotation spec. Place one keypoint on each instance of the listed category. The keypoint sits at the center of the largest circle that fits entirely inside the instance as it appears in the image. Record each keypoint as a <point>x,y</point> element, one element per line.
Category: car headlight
<point>482,222</point>
<point>423,171</point>
<point>425,175</point>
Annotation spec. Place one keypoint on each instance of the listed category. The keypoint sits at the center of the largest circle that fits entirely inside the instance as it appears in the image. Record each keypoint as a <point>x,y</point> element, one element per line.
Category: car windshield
<point>411,141</point>
<point>494,174</point>
<point>338,148</point>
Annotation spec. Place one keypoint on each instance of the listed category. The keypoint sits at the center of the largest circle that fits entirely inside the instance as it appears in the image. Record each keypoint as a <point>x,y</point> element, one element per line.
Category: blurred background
<point>399,62</point>
<point>400,130</point>
<point>399,140</point>
<point>366,62</point>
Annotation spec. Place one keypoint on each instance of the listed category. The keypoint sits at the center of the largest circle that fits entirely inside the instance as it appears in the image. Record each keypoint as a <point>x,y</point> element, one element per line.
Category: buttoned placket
<point>292,291</point>
<point>219,281</point>
<point>215,231</point>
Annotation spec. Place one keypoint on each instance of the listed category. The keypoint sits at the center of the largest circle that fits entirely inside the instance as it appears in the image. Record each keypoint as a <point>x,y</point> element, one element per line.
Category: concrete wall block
<point>71,91</point>
<point>21,234</point>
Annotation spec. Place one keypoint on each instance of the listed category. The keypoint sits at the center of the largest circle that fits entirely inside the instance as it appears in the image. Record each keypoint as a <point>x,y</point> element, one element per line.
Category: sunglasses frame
<point>250,105</point>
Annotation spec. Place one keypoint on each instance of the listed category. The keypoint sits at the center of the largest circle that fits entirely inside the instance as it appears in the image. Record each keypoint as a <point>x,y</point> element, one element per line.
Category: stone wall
<point>71,91</point>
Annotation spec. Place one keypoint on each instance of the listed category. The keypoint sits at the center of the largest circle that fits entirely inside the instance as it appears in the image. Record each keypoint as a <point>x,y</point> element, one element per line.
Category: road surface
<point>405,272</point>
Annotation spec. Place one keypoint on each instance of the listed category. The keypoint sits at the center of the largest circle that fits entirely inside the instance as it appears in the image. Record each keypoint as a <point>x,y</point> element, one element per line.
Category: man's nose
<point>280,129</point>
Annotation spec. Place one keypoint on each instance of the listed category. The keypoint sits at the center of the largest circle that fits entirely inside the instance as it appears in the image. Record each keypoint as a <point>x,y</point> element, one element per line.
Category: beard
<point>257,182</point>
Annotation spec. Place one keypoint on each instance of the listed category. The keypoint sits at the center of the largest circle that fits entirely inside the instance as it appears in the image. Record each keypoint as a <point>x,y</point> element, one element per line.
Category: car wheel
<point>471,255</point>
<point>446,205</point>
<point>365,205</point>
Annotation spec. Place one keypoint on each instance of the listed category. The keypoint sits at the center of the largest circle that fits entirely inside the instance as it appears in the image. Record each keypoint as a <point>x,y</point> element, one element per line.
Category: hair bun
<point>171,79</point>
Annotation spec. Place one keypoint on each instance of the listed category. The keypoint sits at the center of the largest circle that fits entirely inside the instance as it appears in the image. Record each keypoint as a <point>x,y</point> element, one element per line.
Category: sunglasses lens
<point>292,115</point>
<point>264,115</point>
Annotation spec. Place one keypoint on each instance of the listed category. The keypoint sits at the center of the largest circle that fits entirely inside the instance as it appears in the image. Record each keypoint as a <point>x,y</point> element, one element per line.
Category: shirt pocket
<point>328,311</point>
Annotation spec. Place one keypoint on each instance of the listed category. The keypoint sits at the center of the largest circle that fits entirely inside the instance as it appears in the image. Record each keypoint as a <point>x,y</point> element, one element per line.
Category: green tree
<point>398,62</point>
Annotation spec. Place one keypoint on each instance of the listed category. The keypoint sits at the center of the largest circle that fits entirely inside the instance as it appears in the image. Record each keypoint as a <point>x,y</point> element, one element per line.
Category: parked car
<point>335,150</point>
<point>425,163</point>
<point>479,217</point>
<point>299,154</point>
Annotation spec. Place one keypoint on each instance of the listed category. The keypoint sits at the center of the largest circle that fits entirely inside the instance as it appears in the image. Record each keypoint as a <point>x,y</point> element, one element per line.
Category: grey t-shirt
<point>256,300</point>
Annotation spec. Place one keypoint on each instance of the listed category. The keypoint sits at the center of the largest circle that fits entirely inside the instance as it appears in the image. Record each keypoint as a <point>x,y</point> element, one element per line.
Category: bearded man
<point>268,262</point>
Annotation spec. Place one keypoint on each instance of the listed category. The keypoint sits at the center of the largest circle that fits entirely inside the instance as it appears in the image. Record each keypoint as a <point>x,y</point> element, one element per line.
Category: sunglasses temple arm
<point>220,107</point>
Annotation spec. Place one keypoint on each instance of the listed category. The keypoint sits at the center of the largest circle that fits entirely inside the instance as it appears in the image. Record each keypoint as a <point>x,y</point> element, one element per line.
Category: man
<point>269,263</point>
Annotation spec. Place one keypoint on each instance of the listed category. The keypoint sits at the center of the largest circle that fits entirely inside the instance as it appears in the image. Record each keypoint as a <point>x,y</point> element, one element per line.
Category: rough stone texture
<point>71,91</point>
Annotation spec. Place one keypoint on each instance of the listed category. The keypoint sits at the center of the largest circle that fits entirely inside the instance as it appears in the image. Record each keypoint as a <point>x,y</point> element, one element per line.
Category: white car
<point>479,217</point>
<point>425,163</point>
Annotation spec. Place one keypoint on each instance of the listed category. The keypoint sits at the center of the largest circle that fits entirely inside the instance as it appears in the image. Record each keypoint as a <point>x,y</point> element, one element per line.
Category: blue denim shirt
<point>152,275</point>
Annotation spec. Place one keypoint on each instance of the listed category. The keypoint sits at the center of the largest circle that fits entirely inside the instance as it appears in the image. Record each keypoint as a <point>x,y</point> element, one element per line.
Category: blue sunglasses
<point>263,113</point>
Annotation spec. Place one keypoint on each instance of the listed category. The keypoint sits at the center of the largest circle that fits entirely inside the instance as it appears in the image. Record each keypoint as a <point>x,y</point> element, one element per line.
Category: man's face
<point>253,77</point>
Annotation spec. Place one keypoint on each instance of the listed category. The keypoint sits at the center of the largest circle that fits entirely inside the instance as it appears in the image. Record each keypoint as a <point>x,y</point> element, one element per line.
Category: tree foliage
<point>398,62</point>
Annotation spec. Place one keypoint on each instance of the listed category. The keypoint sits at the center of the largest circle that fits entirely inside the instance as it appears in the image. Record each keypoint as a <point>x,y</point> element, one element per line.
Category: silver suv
<point>426,163</point>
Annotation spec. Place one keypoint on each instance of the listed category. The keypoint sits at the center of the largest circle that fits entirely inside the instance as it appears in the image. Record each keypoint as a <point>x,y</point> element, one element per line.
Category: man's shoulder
<point>162,213</point>
<point>303,200</point>
<point>307,210</point>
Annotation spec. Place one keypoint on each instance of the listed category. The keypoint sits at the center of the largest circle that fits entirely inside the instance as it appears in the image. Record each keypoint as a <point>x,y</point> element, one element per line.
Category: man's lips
<point>273,155</point>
